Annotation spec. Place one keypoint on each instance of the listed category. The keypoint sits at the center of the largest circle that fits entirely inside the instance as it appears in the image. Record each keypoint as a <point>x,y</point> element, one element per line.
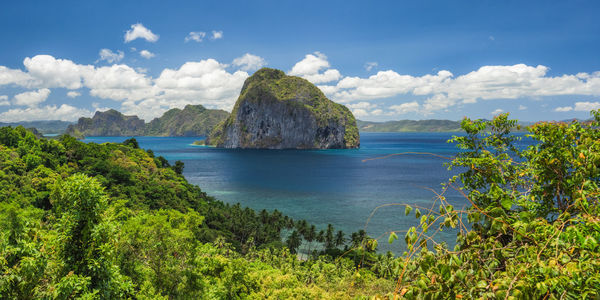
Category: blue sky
<point>384,59</point>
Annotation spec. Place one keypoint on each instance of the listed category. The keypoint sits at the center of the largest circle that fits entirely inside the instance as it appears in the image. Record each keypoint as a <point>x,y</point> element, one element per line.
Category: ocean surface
<point>324,186</point>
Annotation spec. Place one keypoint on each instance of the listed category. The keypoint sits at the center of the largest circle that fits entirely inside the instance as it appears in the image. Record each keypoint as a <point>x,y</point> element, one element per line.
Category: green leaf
<point>407,210</point>
<point>417,213</point>
<point>506,203</point>
<point>392,238</point>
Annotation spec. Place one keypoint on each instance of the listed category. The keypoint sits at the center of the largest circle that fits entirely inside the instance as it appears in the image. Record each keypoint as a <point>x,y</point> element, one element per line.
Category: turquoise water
<point>322,186</point>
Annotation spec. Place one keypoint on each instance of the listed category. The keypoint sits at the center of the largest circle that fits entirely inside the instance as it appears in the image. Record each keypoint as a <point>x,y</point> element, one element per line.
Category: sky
<point>385,60</point>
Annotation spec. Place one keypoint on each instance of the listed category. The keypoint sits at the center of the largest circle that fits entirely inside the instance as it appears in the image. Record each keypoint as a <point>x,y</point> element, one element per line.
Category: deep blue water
<point>322,186</point>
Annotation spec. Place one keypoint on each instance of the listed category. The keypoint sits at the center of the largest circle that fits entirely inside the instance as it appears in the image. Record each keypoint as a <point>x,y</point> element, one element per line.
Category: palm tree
<point>340,239</point>
<point>293,241</point>
<point>329,237</point>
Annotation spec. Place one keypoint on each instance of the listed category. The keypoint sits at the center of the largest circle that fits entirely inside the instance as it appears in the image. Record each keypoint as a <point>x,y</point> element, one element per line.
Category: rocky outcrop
<point>107,123</point>
<point>193,120</point>
<point>275,111</point>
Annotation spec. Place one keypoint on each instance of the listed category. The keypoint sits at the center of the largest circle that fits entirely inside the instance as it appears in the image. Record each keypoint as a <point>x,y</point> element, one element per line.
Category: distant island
<point>43,127</point>
<point>193,120</point>
<point>276,111</point>
<point>410,126</point>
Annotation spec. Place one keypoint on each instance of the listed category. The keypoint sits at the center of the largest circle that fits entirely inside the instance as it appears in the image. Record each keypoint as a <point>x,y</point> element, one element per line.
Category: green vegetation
<point>532,231</point>
<point>410,126</point>
<point>44,127</point>
<point>114,221</point>
<point>270,87</point>
<point>107,123</point>
<point>193,120</point>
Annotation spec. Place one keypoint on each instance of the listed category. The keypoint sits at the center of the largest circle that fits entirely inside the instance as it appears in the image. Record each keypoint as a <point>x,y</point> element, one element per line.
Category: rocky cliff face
<point>275,111</point>
<point>193,120</point>
<point>108,123</point>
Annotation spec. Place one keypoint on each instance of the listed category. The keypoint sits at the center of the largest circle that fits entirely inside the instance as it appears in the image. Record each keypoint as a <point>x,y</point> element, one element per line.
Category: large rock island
<point>276,111</point>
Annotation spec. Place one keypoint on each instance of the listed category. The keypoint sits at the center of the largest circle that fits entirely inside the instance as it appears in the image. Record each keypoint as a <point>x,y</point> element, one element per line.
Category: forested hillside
<point>114,221</point>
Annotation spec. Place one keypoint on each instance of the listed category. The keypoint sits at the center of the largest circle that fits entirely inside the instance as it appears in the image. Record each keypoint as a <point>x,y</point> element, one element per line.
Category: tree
<point>178,167</point>
<point>293,241</point>
<point>85,238</point>
<point>340,239</point>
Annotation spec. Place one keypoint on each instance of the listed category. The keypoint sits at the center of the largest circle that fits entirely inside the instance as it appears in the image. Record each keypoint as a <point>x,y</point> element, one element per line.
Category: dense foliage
<point>532,231</point>
<point>114,221</point>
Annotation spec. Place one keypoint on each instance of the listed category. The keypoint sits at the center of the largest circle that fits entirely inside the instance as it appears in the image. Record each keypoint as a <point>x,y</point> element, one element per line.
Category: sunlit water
<point>323,186</point>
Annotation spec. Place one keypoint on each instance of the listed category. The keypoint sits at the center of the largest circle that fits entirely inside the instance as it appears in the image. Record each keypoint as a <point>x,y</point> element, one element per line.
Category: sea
<point>352,189</point>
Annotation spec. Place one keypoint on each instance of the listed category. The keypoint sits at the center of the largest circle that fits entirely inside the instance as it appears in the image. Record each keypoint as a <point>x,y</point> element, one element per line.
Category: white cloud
<point>579,106</point>
<point>197,36</point>
<point>406,107</point>
<point>111,57</point>
<point>147,54</point>
<point>217,35</point>
<point>12,76</point>
<point>444,90</point>
<point>64,112</point>
<point>370,66</point>
<point>563,109</point>
<point>497,111</point>
<point>50,72</point>
<point>32,98</point>
<point>586,106</point>
<point>4,100</point>
<point>522,107</point>
<point>138,31</point>
<point>249,62</point>
<point>309,68</point>
<point>118,82</point>
<point>73,94</point>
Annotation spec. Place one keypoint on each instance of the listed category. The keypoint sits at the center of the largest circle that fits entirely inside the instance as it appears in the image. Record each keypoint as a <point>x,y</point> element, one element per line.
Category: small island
<point>276,111</point>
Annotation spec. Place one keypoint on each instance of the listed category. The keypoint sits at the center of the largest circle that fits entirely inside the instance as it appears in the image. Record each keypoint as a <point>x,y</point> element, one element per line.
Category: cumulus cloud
<point>50,72</point>
<point>407,107</point>
<point>579,106</point>
<point>32,98</point>
<point>63,112</point>
<point>522,107</point>
<point>215,85</point>
<point>586,106</point>
<point>73,94</point>
<point>217,35</point>
<point>445,90</point>
<point>146,54</point>
<point>563,109</point>
<point>17,77</point>
<point>197,36</point>
<point>249,62</point>
<point>497,112</point>
<point>370,66</point>
<point>138,31</point>
<point>111,57</point>
<point>4,100</point>
<point>310,68</point>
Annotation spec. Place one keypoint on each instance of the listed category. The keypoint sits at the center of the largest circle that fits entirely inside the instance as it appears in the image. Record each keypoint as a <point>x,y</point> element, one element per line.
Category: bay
<point>338,187</point>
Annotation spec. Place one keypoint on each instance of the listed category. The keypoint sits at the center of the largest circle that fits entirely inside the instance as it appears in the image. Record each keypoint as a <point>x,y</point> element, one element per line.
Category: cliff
<point>193,120</point>
<point>275,111</point>
<point>107,123</point>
